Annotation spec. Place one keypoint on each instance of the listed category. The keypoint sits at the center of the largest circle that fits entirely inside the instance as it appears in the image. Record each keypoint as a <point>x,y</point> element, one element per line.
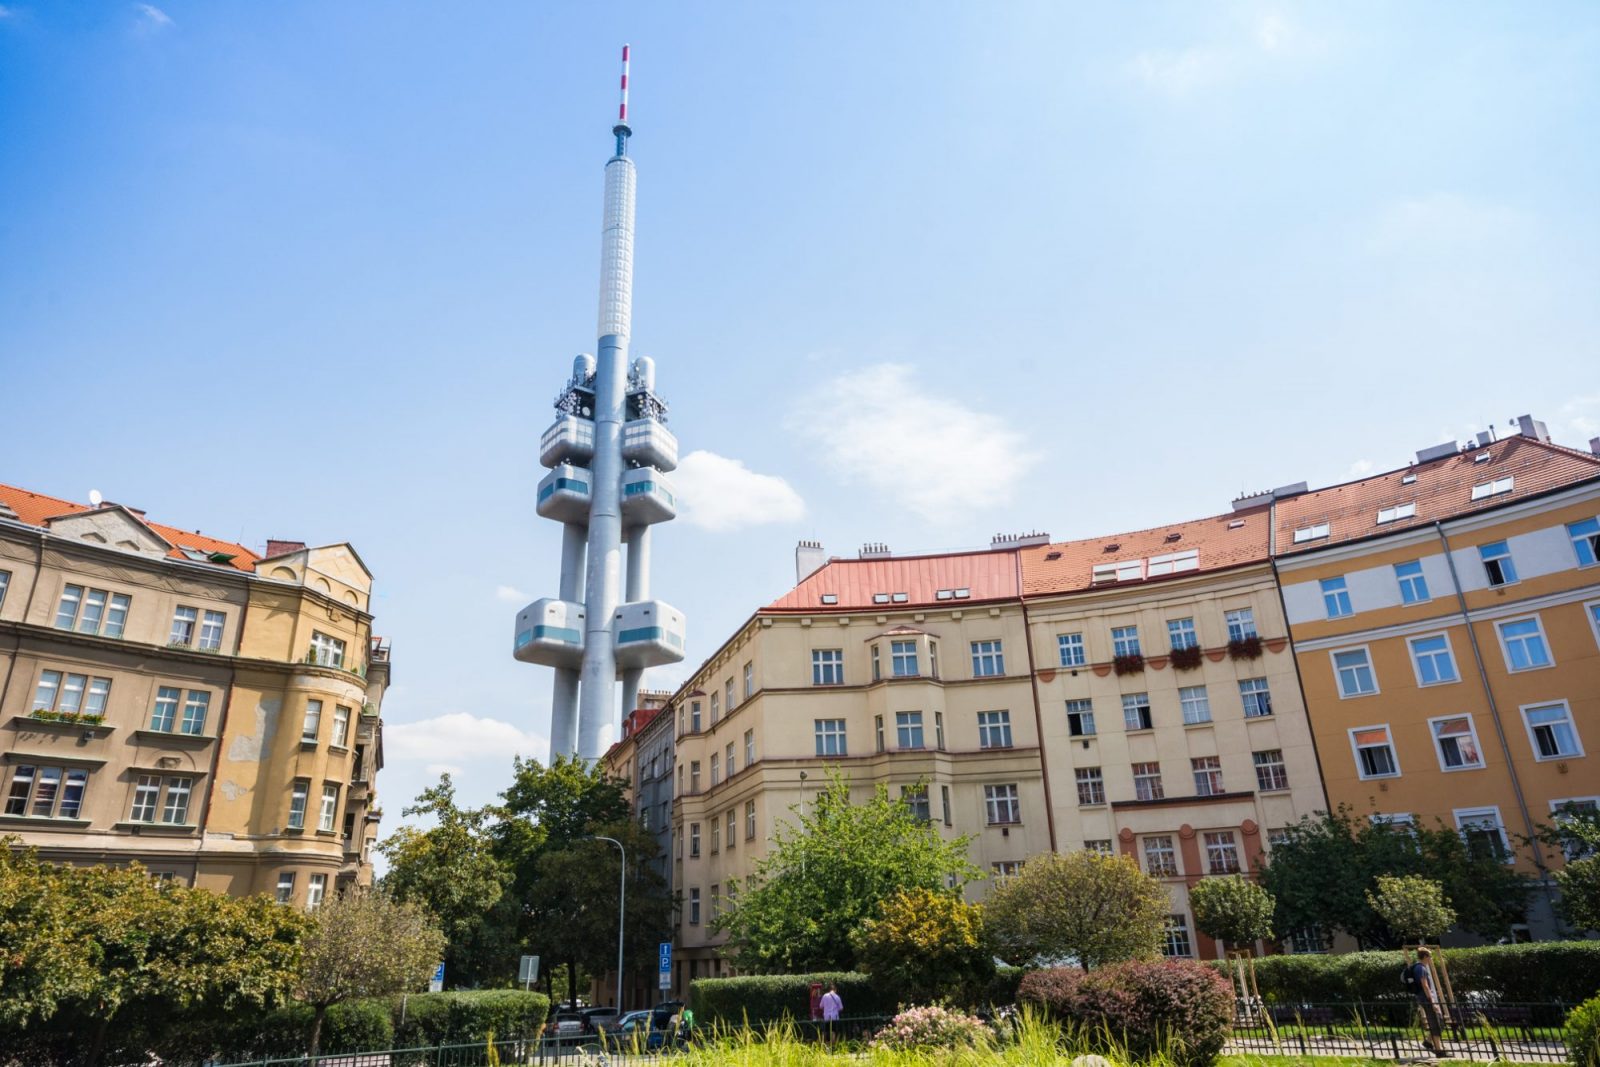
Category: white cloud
<point>1581,420</point>
<point>434,770</point>
<point>455,737</point>
<point>720,494</point>
<point>510,594</point>
<point>1248,48</point>
<point>152,17</point>
<point>1179,73</point>
<point>937,457</point>
<point>1447,222</point>
<point>1360,469</point>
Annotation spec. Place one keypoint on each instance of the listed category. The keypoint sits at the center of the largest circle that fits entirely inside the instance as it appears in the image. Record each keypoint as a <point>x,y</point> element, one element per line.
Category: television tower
<point>608,451</point>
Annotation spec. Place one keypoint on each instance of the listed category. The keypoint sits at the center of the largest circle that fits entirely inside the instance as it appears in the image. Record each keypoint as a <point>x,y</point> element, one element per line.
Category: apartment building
<point>1172,725</point>
<point>181,701</point>
<point>1446,625</point>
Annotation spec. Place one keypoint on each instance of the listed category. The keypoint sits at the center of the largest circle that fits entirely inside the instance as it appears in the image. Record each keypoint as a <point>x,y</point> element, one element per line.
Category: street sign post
<point>436,984</point>
<point>528,973</point>
<point>665,974</point>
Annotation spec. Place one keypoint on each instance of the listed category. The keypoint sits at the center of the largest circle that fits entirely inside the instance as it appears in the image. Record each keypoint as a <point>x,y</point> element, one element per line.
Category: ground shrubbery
<point>764,998</point>
<point>932,1028</point>
<point>1583,1034</point>
<point>1174,1008</point>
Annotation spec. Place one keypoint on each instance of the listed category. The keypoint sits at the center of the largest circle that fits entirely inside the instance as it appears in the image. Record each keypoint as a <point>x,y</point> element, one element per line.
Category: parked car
<point>648,1027</point>
<point>595,1018</point>
<point>566,1024</point>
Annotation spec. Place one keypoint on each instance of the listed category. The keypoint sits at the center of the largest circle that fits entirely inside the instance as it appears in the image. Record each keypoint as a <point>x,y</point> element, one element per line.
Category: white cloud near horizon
<point>510,594</point>
<point>720,494</point>
<point>1180,72</point>
<point>933,455</point>
<point>455,737</point>
<point>153,17</point>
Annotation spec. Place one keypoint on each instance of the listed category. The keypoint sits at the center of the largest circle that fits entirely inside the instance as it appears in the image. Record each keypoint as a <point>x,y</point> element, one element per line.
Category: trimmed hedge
<point>419,1019</point>
<point>1177,1010</point>
<point>467,1015</point>
<point>764,998</point>
<point>1548,971</point>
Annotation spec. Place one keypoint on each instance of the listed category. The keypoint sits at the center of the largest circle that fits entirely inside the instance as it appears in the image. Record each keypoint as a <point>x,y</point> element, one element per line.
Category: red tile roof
<point>35,508</point>
<point>1442,490</point>
<point>990,575</point>
<point>1219,547</point>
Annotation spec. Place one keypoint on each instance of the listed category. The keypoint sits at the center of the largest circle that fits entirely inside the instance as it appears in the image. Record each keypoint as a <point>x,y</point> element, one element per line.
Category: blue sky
<point>916,273</point>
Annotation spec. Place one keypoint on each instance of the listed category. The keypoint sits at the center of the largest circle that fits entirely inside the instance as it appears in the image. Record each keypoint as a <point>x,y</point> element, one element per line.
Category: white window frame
<point>209,635</point>
<point>316,890</point>
<point>1002,805</point>
<point>341,727</point>
<point>1508,566</point>
<point>1484,490</point>
<point>178,794</point>
<point>994,729</point>
<point>1258,699</point>
<point>1084,709</point>
<point>1131,703</point>
<point>1195,703</point>
<point>1467,814</point>
<point>1338,679</point>
<point>328,809</point>
<point>1355,751</point>
<point>1396,512</point>
<point>1182,629</point>
<point>326,650</point>
<point>1224,848</point>
<point>1505,648</point>
<point>1416,659</point>
<point>1091,785</point>
<point>749,746</point>
<point>827,666</point>
<point>299,801</point>
<point>1415,583</point>
<point>749,820</point>
<point>908,732</point>
<point>1276,769</point>
<point>1438,742</point>
<point>903,659</point>
<point>831,737</point>
<point>1152,779</point>
<point>164,712</point>
<point>311,724</point>
<point>1124,645</point>
<point>285,891</point>
<point>988,659</point>
<point>1241,623</point>
<point>749,679</point>
<point>1207,778</point>
<point>1336,598</point>
<point>193,724</point>
<point>1168,852</point>
<point>1314,532</point>
<point>1572,725</point>
<point>1071,650</point>
<point>1176,944</point>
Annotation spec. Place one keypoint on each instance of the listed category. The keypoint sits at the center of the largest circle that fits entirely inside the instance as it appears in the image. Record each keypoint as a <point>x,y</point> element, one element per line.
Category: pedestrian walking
<point>1418,978</point>
<point>832,1007</point>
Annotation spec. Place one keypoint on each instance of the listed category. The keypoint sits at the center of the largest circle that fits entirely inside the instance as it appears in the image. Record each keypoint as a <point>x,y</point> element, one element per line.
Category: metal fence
<point>1525,1033</point>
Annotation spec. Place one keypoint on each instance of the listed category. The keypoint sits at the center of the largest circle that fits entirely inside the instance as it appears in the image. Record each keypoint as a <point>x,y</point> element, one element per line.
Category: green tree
<point>1412,906</point>
<point>1081,905</point>
<point>1576,832</point>
<point>44,961</point>
<point>1321,871</point>
<point>451,869</point>
<point>1233,909</point>
<point>926,946</point>
<point>829,873</point>
<point>365,945</point>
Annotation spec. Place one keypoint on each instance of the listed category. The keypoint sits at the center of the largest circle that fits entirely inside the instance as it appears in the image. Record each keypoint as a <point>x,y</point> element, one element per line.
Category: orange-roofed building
<point>1446,622</point>
<point>185,702</point>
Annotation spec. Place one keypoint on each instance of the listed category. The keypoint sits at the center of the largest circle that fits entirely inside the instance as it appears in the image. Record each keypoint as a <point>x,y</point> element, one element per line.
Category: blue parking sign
<point>666,965</point>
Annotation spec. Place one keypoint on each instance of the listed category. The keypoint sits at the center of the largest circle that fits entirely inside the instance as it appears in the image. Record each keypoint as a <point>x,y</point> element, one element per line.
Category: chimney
<point>875,550</point>
<point>1022,540</point>
<point>808,560</point>
<point>1449,448</point>
<point>277,548</point>
<point>1594,445</point>
<point>1528,426</point>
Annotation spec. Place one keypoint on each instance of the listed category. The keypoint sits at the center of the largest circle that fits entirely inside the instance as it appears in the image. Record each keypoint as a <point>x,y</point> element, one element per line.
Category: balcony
<point>647,497</point>
<point>569,439</point>
<point>649,443</point>
<point>565,493</point>
<point>550,632</point>
<point>649,633</point>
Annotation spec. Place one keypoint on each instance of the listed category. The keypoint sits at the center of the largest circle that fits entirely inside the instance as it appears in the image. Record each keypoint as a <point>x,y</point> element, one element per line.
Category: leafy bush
<point>931,1028</point>
<point>1173,1008</point>
<point>1001,990</point>
<point>1565,971</point>
<point>927,946</point>
<point>357,1026</point>
<point>764,998</point>
<point>1051,989</point>
<point>1583,1034</point>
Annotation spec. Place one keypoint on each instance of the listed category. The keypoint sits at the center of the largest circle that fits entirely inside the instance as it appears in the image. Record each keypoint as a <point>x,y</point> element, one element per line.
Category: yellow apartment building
<point>180,701</point>
<point>1446,626</point>
<point>1173,727</point>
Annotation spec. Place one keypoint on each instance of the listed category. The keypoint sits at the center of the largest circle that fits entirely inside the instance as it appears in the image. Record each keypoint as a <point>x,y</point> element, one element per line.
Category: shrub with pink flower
<point>931,1028</point>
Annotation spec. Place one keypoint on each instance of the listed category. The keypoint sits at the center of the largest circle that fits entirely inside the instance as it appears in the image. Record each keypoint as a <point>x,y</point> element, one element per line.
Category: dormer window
<point>880,598</point>
<point>1408,479</point>
<point>1174,563</point>
<point>901,598</point>
<point>963,594</point>
<point>1494,488</point>
<point>830,598</point>
<point>1398,511</point>
<point>1482,457</point>
<point>944,594</point>
<point>1129,570</point>
<point>1311,533</point>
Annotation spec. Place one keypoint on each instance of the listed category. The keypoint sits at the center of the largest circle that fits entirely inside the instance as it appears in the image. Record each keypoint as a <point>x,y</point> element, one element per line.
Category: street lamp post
<point>622,905</point>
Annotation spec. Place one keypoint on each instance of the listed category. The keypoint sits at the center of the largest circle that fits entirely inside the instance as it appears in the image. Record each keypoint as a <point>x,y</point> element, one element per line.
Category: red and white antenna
<point>622,111</point>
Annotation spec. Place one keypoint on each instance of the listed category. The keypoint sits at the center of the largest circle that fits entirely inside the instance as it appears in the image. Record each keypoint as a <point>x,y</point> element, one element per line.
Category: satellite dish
<point>95,498</point>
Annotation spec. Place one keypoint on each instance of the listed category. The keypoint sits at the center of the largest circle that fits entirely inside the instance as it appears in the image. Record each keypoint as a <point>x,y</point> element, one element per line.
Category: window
<point>830,737</point>
<point>194,712</point>
<point>1494,488</point>
<point>65,693</point>
<point>1413,586</point>
<point>916,798</point>
<point>1071,648</point>
<point>1497,564</point>
<point>5,581</point>
<point>944,802</point>
<point>1125,640</point>
<point>908,729</point>
<point>1456,743</point>
<point>313,722</point>
<point>827,666</point>
<point>1001,805</point>
<point>749,747</point>
<point>694,776</point>
<point>1551,730</point>
<point>694,840</point>
<point>938,730</point>
<point>1336,597</point>
<point>1430,657</point>
<point>46,792</point>
<point>994,729</point>
<point>987,659</point>
<point>330,807</point>
<point>211,631</point>
<point>1000,870</point>
<point>716,835</point>
<point>146,796</point>
<point>694,716</point>
<point>86,611</point>
<point>1354,669</point>
<point>1397,512</point>
<point>1207,776</point>
<point>67,610</point>
<point>728,760</point>
<point>1176,938</point>
<point>1091,786</point>
<point>325,650</point>
<point>716,709</point>
<point>1271,774</point>
<point>1129,570</point>
<point>1482,831</point>
<point>1523,643</point>
<point>297,803</point>
<point>727,696</point>
<point>1396,820</point>
<point>1101,845</point>
<point>1585,542</point>
<point>749,680</point>
<point>1374,751</point>
<point>1257,697</point>
<point>1180,632</point>
<point>1241,624</point>
<point>694,906</point>
<point>165,713</point>
<point>682,728</point>
<point>1222,853</point>
<point>1196,705</point>
<point>1564,811</point>
<point>1080,718</point>
<point>749,820</point>
<point>176,810</point>
<point>877,669</point>
<point>1147,781</point>
<point>716,902</point>
<point>1173,563</point>
<point>315,888</point>
<point>716,775</point>
<point>877,729</point>
<point>903,656</point>
<point>1308,940</point>
<point>1136,711</point>
<point>1160,858</point>
<point>1311,533</point>
<point>286,887</point>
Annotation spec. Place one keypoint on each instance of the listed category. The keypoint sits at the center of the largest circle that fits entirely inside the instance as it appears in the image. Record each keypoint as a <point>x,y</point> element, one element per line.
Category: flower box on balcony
<point>1132,663</point>
<point>1245,647</point>
<point>1186,658</point>
<point>75,718</point>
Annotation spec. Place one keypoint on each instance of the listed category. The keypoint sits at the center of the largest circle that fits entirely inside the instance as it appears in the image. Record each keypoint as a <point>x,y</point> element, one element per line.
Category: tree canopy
<point>1082,906</point>
<point>1232,909</point>
<point>1412,906</point>
<point>828,873</point>
<point>1576,832</point>
<point>927,946</point>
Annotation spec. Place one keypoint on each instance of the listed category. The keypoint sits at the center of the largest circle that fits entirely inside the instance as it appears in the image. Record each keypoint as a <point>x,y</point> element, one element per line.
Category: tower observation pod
<point>608,453</point>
